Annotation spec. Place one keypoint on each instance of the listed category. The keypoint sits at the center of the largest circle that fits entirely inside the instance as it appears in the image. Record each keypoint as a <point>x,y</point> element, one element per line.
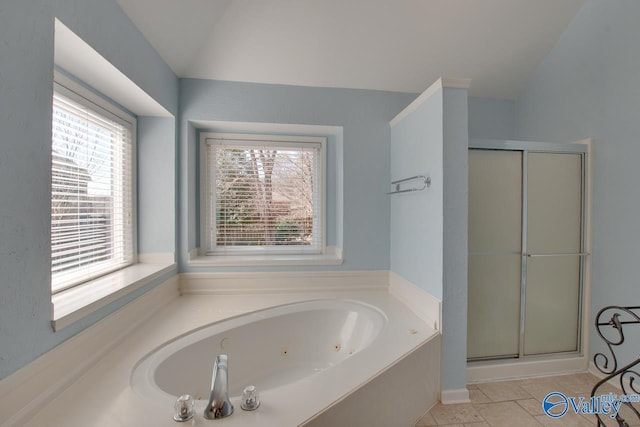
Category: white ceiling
<point>396,45</point>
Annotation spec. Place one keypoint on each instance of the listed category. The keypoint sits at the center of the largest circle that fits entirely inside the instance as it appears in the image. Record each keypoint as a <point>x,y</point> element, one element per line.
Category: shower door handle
<point>558,254</point>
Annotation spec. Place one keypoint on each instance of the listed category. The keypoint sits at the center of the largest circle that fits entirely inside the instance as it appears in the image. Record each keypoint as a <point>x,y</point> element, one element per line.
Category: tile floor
<point>518,403</point>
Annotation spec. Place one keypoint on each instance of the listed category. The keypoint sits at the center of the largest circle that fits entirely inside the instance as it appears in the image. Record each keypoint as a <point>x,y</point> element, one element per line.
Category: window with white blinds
<point>92,209</point>
<point>263,194</point>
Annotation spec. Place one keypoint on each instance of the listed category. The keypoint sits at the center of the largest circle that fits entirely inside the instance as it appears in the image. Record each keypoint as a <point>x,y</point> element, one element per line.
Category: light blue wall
<point>156,174</point>
<point>26,75</point>
<point>455,237</point>
<point>588,87</point>
<point>429,228</point>
<point>364,117</point>
<point>585,87</point>
<point>491,118</point>
<point>416,218</point>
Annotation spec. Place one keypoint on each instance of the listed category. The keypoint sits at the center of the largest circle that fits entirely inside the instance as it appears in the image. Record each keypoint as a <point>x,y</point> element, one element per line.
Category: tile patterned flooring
<point>519,403</point>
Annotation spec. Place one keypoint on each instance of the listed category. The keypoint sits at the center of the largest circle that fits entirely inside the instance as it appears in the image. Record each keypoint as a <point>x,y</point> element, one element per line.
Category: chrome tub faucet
<point>219,405</point>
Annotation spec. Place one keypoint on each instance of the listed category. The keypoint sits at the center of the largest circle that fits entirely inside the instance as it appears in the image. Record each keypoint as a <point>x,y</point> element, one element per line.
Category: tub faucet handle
<point>219,405</point>
<point>184,408</point>
<point>250,398</point>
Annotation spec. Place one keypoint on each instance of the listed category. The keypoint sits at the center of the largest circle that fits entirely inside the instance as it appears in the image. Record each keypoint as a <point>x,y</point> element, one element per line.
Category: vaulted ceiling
<point>396,45</point>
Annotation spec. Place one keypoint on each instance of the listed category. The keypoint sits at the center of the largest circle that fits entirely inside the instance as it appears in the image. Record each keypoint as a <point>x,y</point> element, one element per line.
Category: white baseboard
<point>23,392</point>
<point>421,302</point>
<point>458,395</point>
<point>507,370</point>
<point>282,282</point>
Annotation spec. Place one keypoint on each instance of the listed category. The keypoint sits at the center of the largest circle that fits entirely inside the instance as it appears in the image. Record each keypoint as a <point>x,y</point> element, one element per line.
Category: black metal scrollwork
<point>609,325</point>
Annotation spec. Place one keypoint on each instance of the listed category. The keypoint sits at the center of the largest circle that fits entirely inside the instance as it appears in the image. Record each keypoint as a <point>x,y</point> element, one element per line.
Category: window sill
<point>333,256</point>
<point>78,302</point>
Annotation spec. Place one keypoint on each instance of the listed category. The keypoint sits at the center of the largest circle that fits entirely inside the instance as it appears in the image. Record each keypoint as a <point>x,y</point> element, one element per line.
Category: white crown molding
<point>25,391</point>
<point>455,83</point>
<point>442,82</point>
<point>214,283</point>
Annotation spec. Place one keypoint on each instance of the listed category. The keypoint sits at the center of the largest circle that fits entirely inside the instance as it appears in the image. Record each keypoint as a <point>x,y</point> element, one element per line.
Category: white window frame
<point>82,96</point>
<point>247,254</point>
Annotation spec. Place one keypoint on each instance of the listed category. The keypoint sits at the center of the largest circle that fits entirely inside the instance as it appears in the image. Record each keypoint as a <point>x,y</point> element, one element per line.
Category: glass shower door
<point>526,250</point>
<point>495,231</point>
<point>553,261</point>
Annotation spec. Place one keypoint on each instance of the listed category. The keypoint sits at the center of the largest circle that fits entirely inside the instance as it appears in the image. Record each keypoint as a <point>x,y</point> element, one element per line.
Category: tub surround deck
<point>102,396</point>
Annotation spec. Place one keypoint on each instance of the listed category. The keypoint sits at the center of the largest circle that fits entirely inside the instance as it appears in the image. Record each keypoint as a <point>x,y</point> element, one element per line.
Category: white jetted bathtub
<point>268,348</point>
<point>303,358</point>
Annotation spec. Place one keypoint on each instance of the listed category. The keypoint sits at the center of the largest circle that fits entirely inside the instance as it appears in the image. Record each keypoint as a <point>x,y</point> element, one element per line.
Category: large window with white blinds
<point>262,194</point>
<point>92,183</point>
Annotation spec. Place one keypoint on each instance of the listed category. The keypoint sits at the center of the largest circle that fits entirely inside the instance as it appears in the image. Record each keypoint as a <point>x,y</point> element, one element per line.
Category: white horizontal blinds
<point>266,196</point>
<point>91,191</point>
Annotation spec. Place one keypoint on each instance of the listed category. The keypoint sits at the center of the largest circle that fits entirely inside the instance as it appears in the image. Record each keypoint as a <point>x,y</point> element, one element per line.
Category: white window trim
<point>75,303</point>
<point>200,258</point>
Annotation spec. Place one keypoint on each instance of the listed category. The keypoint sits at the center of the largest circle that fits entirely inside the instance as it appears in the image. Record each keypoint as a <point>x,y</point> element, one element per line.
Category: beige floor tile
<point>578,383</point>
<point>518,403</point>
<point>581,385</point>
<point>574,385</point>
<point>452,414</point>
<point>504,391</point>
<point>537,381</point>
<point>629,416</point>
<point>538,388</point>
<point>477,396</point>
<point>426,421</point>
<point>608,422</point>
<point>606,389</point>
<point>532,406</point>
<point>568,420</point>
<point>506,414</point>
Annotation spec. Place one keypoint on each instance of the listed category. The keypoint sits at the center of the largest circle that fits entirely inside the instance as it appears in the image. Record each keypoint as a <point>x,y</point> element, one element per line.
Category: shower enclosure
<point>526,249</point>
